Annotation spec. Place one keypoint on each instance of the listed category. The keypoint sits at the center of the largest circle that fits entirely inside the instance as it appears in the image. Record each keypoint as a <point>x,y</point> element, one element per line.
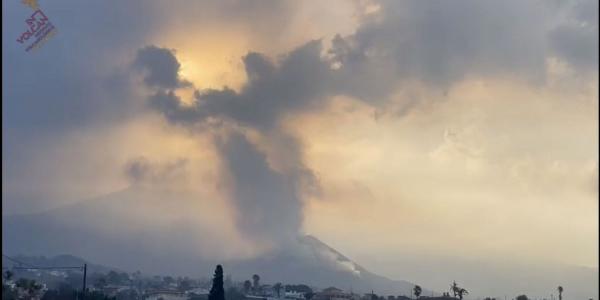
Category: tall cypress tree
<point>217,292</point>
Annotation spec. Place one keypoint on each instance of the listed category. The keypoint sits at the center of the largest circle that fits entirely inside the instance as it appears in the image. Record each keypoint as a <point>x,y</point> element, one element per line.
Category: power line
<point>46,268</point>
<point>32,267</point>
<point>17,261</point>
<point>84,268</point>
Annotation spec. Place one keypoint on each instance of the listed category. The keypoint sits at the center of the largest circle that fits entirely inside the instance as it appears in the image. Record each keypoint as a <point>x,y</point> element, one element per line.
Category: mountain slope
<point>112,231</point>
<point>103,230</point>
<point>314,263</point>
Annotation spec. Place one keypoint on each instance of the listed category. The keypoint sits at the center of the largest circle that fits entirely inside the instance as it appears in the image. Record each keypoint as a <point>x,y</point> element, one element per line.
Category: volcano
<point>104,231</point>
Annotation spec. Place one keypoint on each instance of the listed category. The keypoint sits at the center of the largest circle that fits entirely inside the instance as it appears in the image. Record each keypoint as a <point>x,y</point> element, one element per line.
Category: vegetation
<point>417,291</point>
<point>217,292</point>
<point>277,288</point>
<point>247,286</point>
<point>458,291</point>
<point>133,286</point>
<point>255,282</point>
<point>560,291</point>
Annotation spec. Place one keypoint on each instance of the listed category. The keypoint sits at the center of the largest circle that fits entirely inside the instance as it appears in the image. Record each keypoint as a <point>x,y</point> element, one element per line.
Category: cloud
<point>267,201</point>
<point>576,38</point>
<point>161,66</point>
<point>435,44</point>
<point>444,42</point>
<point>271,91</point>
<point>439,44</point>
<point>143,171</point>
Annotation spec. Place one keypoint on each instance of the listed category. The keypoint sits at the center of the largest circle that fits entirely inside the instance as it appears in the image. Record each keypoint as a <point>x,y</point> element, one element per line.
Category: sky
<point>464,129</point>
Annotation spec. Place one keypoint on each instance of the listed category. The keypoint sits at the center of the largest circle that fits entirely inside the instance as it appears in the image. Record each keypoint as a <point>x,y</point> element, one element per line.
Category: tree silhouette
<point>255,282</point>
<point>247,286</point>
<point>461,292</point>
<point>217,292</point>
<point>417,291</point>
<point>100,282</point>
<point>277,289</point>
<point>560,290</point>
<point>29,286</point>
<point>454,288</point>
<point>8,274</point>
<point>309,295</point>
<point>522,297</point>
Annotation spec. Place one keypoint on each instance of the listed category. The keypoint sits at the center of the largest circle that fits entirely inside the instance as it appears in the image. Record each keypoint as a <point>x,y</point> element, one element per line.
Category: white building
<point>166,295</point>
<point>294,295</point>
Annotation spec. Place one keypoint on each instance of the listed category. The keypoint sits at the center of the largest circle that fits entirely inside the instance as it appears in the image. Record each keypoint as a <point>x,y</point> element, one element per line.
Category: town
<point>49,284</point>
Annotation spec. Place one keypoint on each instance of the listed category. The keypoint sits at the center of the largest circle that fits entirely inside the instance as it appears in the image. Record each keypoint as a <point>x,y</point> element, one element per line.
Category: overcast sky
<point>458,128</point>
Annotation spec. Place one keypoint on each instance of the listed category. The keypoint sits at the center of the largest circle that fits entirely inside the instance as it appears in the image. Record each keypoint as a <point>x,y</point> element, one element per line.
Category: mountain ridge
<point>86,227</point>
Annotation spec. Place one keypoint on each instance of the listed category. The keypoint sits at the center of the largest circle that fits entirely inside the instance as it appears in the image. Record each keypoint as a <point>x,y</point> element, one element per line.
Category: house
<point>112,290</point>
<point>333,293</point>
<point>199,292</point>
<point>166,295</point>
<point>294,295</point>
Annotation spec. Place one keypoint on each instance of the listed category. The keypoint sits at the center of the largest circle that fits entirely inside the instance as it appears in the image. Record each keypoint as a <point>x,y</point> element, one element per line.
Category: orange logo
<point>31,3</point>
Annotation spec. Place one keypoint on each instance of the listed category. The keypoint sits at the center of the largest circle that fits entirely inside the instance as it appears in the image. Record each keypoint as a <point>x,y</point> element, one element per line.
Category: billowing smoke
<point>268,200</point>
<point>436,44</point>
<point>268,204</point>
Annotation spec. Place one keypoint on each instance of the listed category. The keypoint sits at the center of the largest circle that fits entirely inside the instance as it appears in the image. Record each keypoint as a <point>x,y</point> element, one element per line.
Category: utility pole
<point>84,279</point>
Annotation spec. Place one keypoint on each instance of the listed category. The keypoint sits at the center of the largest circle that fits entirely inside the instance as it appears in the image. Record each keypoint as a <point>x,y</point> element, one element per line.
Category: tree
<point>8,274</point>
<point>184,284</point>
<point>255,282</point>
<point>8,293</point>
<point>247,286</point>
<point>100,282</point>
<point>300,288</point>
<point>454,288</point>
<point>217,292</point>
<point>417,291</point>
<point>168,280</point>
<point>277,289</point>
<point>522,297</point>
<point>461,292</point>
<point>560,290</point>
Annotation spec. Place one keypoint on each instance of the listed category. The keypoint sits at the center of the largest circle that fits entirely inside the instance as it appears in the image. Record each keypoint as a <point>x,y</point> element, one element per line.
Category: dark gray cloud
<point>300,79</point>
<point>437,42</point>
<point>441,42</point>
<point>576,39</point>
<point>74,79</point>
<point>161,68</point>
<point>268,202</point>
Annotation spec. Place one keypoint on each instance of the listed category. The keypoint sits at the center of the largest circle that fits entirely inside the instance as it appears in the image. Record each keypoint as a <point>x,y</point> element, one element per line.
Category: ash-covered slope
<point>312,262</point>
